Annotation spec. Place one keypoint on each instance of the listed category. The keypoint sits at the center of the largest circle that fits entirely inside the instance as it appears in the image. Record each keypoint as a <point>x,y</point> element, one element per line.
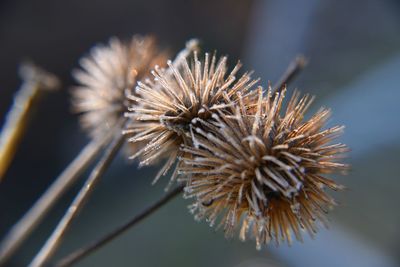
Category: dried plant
<point>176,98</point>
<point>84,251</point>
<point>100,168</point>
<point>35,82</point>
<point>264,168</point>
<point>247,161</point>
<point>106,74</point>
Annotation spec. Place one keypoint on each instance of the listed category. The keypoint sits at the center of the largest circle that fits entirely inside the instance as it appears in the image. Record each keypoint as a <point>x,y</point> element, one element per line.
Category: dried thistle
<point>264,169</point>
<point>106,74</point>
<point>177,97</point>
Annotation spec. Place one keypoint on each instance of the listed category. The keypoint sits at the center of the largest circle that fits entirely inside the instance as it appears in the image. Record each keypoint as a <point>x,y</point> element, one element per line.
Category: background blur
<point>354,61</point>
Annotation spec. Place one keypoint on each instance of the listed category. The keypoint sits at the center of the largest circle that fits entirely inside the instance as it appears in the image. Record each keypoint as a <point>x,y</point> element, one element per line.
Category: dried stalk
<point>81,253</point>
<point>77,204</point>
<point>291,72</point>
<point>20,231</point>
<point>35,81</point>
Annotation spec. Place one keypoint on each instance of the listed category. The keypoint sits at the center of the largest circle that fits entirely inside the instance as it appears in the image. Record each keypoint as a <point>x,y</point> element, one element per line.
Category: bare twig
<point>77,204</point>
<point>291,72</point>
<point>35,81</point>
<point>81,253</point>
<point>62,183</point>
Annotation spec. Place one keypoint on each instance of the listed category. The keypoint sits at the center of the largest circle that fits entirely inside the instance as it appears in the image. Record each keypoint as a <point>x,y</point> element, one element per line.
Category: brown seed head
<point>106,74</point>
<point>264,169</point>
<point>179,96</point>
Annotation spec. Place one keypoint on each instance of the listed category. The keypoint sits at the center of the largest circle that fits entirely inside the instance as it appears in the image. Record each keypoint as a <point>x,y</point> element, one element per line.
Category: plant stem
<point>81,253</point>
<point>77,204</point>
<point>291,72</point>
<point>20,231</point>
<point>35,81</point>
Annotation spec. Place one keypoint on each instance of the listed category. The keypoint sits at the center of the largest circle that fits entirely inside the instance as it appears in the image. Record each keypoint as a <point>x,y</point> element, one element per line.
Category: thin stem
<point>291,72</point>
<point>20,231</point>
<point>35,81</point>
<point>77,204</point>
<point>81,253</point>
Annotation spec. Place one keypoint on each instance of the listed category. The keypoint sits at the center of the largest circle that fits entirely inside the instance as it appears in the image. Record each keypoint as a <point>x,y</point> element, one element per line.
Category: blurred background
<point>353,49</point>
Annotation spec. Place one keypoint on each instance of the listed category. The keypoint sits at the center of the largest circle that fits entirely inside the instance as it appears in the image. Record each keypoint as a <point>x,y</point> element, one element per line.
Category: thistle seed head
<point>263,170</point>
<point>107,73</point>
<point>179,96</point>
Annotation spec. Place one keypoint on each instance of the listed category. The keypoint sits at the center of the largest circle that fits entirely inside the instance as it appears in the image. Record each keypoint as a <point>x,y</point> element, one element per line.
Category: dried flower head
<point>106,73</point>
<point>264,169</point>
<point>179,96</point>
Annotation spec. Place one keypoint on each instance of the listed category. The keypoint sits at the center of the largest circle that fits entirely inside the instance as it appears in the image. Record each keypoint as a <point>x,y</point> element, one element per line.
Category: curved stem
<point>77,204</point>
<point>20,231</point>
<point>81,253</point>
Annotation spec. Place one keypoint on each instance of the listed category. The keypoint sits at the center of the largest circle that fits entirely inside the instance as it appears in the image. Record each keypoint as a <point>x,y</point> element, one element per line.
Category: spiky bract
<point>264,170</point>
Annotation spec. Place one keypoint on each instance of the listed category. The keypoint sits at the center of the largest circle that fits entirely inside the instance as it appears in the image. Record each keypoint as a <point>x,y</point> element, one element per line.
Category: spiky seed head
<point>264,170</point>
<point>181,95</point>
<point>107,72</point>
